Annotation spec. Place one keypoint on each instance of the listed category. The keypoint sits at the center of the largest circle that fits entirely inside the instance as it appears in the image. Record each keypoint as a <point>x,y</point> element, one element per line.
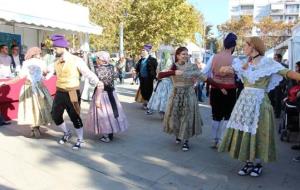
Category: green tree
<point>210,41</point>
<point>146,21</point>
<point>273,32</point>
<point>108,14</point>
<point>161,21</point>
<point>241,27</point>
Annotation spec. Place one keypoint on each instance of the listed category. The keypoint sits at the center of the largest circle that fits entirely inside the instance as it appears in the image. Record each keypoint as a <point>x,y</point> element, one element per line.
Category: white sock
<point>80,133</point>
<point>222,129</point>
<point>64,127</point>
<point>214,129</point>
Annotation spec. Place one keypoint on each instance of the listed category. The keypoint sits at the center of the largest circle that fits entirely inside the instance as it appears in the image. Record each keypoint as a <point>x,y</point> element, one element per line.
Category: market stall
<point>29,23</point>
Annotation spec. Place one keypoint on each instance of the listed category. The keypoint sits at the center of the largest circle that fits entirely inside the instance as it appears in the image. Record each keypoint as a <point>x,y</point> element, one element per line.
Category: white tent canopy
<point>56,14</point>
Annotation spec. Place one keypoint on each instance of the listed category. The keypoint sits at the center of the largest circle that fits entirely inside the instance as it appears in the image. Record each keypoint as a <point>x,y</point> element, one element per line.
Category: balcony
<point>246,12</point>
<point>277,12</point>
<point>277,7</point>
<point>292,11</point>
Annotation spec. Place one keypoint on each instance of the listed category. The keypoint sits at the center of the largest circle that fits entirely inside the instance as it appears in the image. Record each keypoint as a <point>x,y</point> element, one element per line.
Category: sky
<point>215,11</point>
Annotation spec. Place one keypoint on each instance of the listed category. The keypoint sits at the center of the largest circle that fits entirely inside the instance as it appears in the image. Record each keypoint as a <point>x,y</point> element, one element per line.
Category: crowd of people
<point>243,120</point>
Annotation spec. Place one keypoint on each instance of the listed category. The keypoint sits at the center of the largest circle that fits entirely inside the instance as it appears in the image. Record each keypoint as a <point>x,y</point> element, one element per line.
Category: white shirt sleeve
<point>86,72</point>
<point>207,71</point>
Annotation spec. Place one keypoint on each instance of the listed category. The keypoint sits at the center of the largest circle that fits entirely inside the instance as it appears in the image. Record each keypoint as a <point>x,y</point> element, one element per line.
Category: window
<point>247,7</point>
<point>292,8</point>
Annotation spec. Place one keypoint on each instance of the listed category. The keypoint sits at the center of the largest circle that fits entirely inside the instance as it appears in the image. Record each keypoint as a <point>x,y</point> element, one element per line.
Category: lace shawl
<point>105,74</point>
<point>266,67</point>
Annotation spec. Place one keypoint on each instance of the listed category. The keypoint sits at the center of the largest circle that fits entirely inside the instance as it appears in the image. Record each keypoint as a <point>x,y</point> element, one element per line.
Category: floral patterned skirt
<point>182,117</point>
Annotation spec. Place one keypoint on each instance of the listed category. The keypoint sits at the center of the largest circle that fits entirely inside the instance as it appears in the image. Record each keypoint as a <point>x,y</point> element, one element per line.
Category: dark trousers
<point>199,91</point>
<point>276,96</point>
<point>146,85</point>
<point>121,76</point>
<point>222,105</point>
<point>1,120</point>
<point>61,103</point>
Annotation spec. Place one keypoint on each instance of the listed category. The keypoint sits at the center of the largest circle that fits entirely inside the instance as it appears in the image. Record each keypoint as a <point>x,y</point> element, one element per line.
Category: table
<point>9,96</point>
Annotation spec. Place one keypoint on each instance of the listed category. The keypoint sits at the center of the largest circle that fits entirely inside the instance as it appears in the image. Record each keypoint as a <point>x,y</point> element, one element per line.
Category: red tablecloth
<point>9,97</point>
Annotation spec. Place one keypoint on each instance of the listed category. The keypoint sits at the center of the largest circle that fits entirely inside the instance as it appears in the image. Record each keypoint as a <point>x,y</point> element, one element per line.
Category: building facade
<point>279,10</point>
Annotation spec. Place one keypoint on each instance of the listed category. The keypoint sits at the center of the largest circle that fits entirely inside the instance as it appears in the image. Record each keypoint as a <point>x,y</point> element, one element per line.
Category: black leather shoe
<point>296,147</point>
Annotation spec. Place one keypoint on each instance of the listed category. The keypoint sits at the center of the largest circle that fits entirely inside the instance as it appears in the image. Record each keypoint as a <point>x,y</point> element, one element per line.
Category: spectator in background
<point>5,62</point>
<point>277,94</point>
<point>293,83</point>
<point>200,84</point>
<point>121,64</point>
<point>278,57</point>
<point>135,78</point>
<point>129,63</point>
<point>16,58</point>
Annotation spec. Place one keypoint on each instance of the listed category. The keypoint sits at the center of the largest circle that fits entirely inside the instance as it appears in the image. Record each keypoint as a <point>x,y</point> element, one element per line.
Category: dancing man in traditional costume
<point>68,68</point>
<point>222,102</point>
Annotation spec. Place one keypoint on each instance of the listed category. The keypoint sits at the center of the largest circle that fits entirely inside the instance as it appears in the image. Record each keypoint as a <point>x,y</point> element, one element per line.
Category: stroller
<point>290,121</point>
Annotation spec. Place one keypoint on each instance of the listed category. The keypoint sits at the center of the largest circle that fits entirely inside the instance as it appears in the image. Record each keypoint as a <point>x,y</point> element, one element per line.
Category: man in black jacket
<point>17,58</point>
<point>146,70</point>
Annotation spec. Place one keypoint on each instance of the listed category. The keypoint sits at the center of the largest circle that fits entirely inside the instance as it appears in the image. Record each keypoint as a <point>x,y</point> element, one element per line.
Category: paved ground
<point>141,158</point>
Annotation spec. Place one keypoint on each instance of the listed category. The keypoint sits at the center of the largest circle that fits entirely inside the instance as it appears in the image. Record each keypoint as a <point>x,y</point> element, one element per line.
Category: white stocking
<point>79,133</point>
<point>222,129</point>
<point>64,127</point>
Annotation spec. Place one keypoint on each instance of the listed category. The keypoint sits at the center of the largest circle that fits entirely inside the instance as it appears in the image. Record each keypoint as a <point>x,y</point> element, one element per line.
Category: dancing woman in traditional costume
<point>182,117</point>
<point>250,130</point>
<point>106,116</point>
<point>161,94</point>
<point>34,101</point>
